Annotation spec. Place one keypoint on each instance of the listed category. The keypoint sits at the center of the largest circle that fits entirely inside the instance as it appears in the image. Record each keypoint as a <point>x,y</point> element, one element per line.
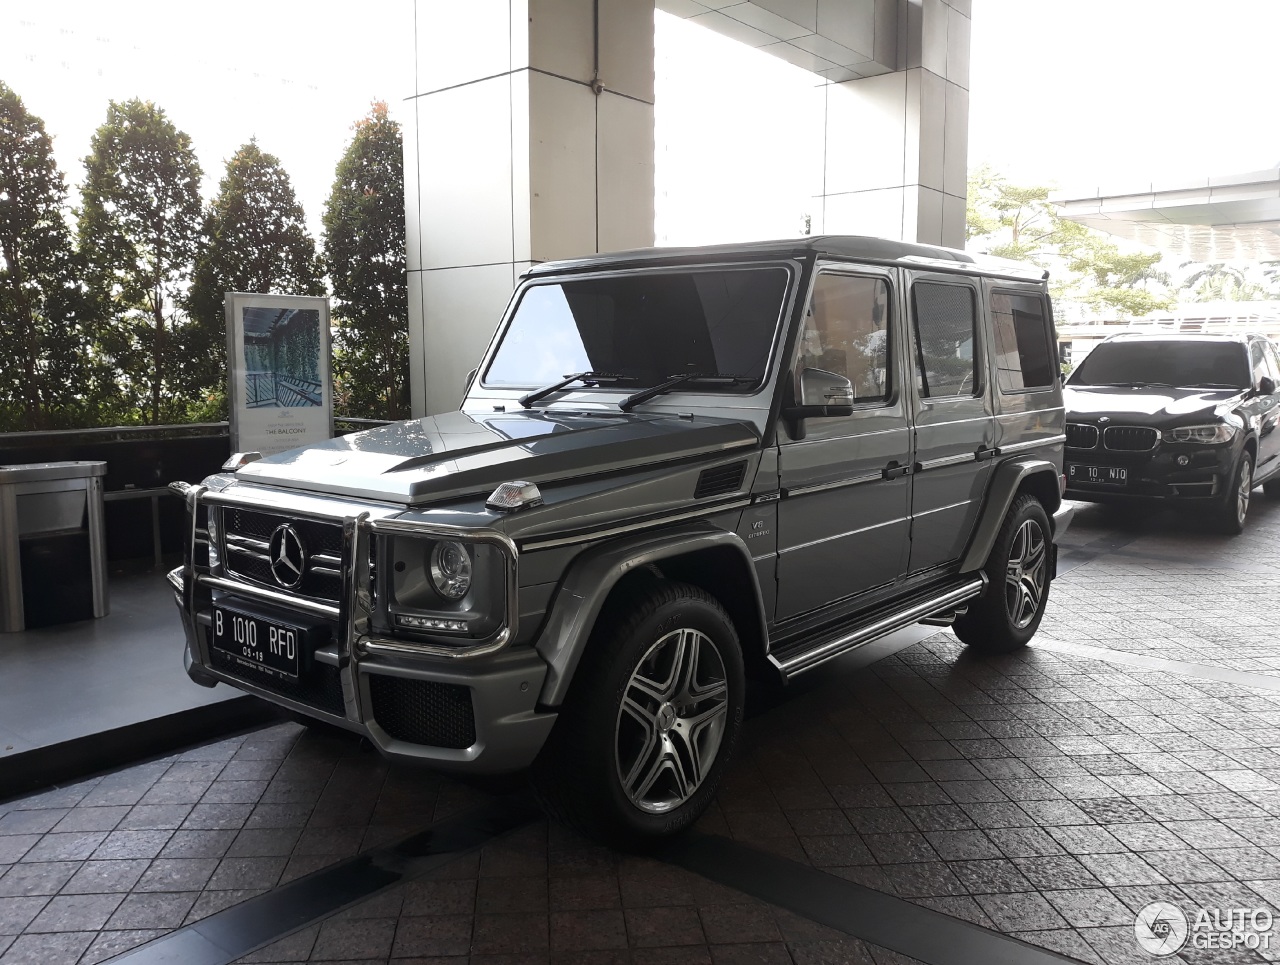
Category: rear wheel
<point>1009,611</point>
<point>641,744</point>
<point>1234,505</point>
<point>1272,488</point>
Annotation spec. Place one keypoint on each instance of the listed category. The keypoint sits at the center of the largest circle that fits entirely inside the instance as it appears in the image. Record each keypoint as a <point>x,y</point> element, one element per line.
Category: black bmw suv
<point>1188,419</point>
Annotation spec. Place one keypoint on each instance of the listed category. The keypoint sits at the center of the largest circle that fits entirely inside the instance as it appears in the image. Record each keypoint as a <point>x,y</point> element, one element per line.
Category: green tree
<point>139,234</point>
<point>256,240</point>
<point>44,371</point>
<point>1020,222</point>
<point>1220,281</point>
<point>364,252</point>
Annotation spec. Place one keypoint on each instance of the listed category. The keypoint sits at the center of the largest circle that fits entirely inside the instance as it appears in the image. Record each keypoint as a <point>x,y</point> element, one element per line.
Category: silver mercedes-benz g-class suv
<point>673,469</point>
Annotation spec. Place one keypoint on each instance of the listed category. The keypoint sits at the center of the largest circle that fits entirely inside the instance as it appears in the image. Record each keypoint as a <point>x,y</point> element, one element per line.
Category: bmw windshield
<point>1173,363</point>
<point>716,328</point>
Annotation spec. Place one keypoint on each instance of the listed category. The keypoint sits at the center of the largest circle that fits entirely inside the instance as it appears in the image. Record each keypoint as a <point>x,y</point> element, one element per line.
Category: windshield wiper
<point>586,378</point>
<point>1213,385</point>
<point>644,395</point>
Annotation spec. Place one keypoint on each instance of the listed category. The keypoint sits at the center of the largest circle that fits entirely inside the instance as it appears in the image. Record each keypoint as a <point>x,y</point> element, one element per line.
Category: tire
<point>1008,612</point>
<point>639,747</point>
<point>1272,488</point>
<point>1231,511</point>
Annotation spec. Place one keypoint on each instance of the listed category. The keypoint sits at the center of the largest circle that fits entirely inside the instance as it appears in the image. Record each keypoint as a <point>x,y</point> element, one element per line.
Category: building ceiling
<point>840,40</point>
<point>1232,218</point>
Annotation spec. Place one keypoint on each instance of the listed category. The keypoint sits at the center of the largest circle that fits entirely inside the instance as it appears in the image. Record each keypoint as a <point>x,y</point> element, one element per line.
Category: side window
<point>946,336</point>
<point>1258,362</point>
<point>1023,359</point>
<point>846,332</point>
<point>1273,360</point>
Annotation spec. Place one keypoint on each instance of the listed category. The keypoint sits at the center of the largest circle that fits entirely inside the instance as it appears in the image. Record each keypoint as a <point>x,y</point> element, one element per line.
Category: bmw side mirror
<point>1266,385</point>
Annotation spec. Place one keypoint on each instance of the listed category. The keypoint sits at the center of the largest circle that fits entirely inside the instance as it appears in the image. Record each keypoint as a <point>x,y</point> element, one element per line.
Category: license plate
<point>1098,475</point>
<point>265,645</point>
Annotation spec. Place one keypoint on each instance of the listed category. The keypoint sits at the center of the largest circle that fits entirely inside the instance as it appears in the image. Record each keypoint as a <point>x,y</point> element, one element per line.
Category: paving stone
<point>105,877</point>
<point>75,913</point>
<point>37,878</point>
<point>47,949</point>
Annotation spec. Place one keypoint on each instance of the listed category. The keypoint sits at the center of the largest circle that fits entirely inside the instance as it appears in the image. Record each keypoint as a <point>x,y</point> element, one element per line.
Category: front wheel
<point>653,716</point>
<point>1235,500</point>
<point>1009,611</point>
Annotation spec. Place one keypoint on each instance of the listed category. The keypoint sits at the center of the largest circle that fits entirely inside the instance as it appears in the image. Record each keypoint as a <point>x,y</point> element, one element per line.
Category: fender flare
<point>1009,477</point>
<point>592,576</point>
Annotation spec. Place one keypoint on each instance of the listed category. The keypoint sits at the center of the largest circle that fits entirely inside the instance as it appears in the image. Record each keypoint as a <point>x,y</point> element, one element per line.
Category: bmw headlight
<point>1211,435</point>
<point>445,588</point>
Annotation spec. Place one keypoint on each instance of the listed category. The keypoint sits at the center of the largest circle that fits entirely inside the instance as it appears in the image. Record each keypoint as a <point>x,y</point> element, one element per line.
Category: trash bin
<point>53,557</point>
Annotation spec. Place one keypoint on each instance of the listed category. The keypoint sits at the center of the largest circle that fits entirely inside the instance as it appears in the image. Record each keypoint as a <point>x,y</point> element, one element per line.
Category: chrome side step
<point>918,611</point>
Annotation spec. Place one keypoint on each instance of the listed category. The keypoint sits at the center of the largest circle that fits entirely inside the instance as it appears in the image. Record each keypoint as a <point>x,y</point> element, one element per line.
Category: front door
<point>1263,361</point>
<point>842,519</point>
<point>955,430</point>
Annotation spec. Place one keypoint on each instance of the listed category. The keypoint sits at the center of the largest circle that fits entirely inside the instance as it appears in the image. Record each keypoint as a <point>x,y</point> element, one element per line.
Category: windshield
<point>1155,362</point>
<point>643,329</point>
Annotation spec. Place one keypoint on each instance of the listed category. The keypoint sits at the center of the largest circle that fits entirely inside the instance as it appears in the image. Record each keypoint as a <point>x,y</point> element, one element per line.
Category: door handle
<point>893,470</point>
<point>987,453</point>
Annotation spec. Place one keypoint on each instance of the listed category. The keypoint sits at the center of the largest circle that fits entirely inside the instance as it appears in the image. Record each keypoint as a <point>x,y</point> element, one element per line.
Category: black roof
<point>851,247</point>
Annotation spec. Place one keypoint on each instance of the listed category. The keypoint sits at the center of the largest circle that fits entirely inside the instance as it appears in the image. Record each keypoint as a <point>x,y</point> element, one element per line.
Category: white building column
<point>896,144</point>
<point>529,138</point>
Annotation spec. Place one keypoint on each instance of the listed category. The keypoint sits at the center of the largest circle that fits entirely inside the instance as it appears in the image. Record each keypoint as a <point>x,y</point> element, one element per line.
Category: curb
<point>44,767</point>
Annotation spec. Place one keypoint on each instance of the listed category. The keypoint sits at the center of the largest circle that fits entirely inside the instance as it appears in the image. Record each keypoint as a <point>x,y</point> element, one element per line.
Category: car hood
<point>1148,406</point>
<point>442,457</point>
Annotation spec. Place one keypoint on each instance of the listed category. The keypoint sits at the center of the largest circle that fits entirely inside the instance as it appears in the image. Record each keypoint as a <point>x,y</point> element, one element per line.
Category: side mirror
<point>821,394</point>
<point>471,377</point>
<point>1266,385</point>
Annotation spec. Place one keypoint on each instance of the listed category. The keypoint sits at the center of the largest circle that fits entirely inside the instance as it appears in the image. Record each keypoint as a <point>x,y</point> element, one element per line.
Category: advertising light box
<point>279,381</point>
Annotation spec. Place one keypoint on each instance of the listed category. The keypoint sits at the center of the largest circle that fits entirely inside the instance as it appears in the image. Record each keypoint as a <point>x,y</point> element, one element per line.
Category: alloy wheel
<point>1243,490</point>
<point>1025,573</point>
<point>671,721</point>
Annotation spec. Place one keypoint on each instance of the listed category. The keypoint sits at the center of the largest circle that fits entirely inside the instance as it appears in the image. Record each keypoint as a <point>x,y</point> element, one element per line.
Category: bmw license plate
<point>1098,475</point>
<point>261,644</point>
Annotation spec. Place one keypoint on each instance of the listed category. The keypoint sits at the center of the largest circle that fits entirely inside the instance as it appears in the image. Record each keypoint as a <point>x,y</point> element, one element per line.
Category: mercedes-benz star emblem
<point>288,557</point>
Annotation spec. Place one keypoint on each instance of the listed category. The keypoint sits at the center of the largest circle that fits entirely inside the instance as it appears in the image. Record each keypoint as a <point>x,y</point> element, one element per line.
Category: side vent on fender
<point>720,480</point>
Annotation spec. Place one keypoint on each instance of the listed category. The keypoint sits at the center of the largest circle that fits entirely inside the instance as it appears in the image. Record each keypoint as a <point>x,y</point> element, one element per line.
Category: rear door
<point>842,519</point>
<point>954,427</point>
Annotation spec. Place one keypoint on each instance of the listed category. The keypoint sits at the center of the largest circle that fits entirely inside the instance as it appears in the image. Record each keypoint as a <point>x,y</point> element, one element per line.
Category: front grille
<point>247,538</point>
<point>721,480</point>
<point>1130,438</point>
<point>319,687</point>
<point>1080,436</point>
<point>423,711</point>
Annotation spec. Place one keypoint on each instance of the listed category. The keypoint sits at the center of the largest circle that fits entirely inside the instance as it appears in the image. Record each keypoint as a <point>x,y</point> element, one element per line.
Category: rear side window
<point>1023,358</point>
<point>946,337</point>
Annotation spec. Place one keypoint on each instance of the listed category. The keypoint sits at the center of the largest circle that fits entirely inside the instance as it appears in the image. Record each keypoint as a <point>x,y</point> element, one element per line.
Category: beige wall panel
<point>955,140</point>
<point>626,47</point>
<point>562,168</point>
<point>461,309</point>
<point>559,34</point>
<point>865,213</point>
<point>465,175</point>
<point>417,357</point>
<point>865,134</point>
<point>625,173</point>
<point>407,114</point>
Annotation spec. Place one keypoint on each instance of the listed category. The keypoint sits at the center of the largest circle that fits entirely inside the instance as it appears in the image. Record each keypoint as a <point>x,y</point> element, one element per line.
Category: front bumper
<point>1155,475</point>
<point>478,714</point>
<point>395,699</point>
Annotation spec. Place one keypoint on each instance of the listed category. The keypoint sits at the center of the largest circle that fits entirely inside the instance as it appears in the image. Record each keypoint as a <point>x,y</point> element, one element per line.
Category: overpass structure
<point>529,137</point>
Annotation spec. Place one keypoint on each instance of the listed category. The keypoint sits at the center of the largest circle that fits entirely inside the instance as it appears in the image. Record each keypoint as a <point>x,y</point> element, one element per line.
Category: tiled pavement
<point>1044,795</point>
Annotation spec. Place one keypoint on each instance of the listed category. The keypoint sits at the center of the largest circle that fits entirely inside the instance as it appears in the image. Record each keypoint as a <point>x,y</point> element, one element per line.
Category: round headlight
<point>451,569</point>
